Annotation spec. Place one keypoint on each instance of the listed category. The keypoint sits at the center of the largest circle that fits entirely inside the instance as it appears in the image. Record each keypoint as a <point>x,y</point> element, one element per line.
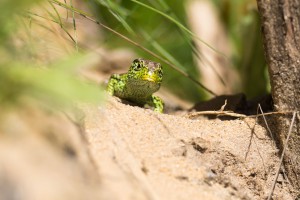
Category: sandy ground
<point>141,154</point>
<point>116,151</point>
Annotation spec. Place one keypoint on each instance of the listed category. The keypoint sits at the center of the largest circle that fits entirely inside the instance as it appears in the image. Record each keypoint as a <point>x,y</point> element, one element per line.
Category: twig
<point>271,113</point>
<point>218,113</point>
<point>252,138</point>
<point>268,128</point>
<point>282,154</point>
<point>233,114</point>
<point>223,107</point>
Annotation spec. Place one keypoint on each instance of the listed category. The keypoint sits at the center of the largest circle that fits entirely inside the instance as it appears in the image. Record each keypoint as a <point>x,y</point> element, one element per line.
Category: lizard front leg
<point>112,82</point>
<point>157,103</point>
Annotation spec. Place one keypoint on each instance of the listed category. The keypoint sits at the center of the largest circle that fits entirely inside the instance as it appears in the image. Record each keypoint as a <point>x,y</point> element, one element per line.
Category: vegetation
<point>23,72</point>
<point>167,35</point>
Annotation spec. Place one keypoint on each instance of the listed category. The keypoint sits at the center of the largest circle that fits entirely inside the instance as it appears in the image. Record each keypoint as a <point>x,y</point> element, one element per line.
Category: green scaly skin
<point>138,84</point>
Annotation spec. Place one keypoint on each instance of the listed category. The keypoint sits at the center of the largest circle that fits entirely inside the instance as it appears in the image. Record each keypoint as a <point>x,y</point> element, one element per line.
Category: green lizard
<point>138,84</point>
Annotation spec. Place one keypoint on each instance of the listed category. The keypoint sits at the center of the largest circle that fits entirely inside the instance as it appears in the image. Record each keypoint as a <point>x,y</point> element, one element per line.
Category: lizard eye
<point>137,65</point>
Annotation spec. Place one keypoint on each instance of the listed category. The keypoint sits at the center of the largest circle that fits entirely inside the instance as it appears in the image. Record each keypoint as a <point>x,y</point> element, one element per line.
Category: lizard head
<point>145,71</point>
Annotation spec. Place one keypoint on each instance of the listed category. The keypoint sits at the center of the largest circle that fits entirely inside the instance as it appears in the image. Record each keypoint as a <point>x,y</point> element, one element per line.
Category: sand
<point>118,151</point>
<point>141,154</point>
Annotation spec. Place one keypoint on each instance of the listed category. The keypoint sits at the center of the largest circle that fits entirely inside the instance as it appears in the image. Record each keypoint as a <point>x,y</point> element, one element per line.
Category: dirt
<point>120,151</point>
<point>141,154</point>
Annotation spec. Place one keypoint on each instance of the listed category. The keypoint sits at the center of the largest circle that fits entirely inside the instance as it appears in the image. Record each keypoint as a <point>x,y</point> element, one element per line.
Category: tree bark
<point>281,34</point>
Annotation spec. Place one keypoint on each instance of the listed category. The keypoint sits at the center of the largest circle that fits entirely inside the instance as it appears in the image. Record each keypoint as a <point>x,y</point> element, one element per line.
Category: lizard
<point>143,78</point>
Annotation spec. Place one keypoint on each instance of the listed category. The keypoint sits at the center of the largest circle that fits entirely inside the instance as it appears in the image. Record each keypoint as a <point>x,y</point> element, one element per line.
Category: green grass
<point>166,38</point>
<point>167,34</point>
<point>24,75</point>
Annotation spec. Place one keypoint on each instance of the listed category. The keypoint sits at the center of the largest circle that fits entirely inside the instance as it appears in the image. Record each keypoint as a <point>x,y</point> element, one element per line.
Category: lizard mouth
<point>150,78</point>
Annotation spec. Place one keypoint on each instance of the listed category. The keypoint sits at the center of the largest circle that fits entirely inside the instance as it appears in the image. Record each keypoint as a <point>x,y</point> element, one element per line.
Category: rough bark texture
<point>281,33</point>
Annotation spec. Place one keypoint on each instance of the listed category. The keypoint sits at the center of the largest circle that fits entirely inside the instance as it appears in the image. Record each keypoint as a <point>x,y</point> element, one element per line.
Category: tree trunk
<point>281,34</point>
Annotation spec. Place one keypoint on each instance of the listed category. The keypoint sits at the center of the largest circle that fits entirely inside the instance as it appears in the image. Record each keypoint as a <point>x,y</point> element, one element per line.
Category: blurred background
<point>47,45</point>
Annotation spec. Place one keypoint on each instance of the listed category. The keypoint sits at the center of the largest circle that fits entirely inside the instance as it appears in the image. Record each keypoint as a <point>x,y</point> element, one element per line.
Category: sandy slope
<point>141,154</point>
<point>126,152</point>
